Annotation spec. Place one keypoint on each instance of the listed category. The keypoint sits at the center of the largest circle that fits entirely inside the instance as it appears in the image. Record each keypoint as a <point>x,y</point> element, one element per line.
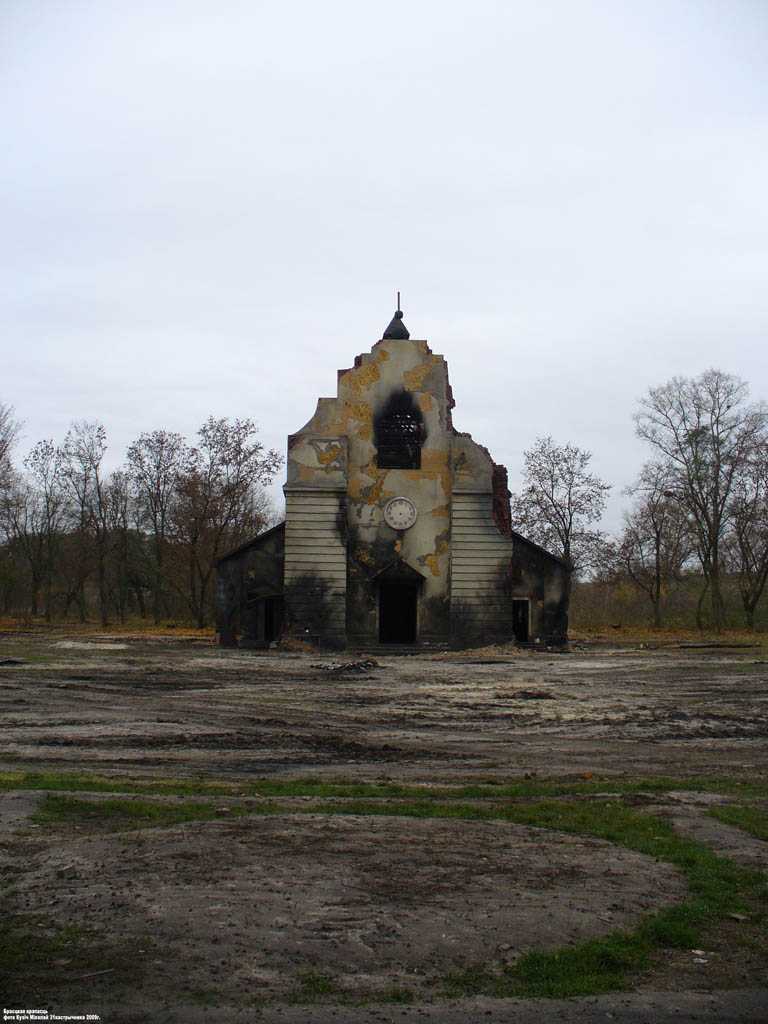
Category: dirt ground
<point>227,911</point>
<point>195,710</point>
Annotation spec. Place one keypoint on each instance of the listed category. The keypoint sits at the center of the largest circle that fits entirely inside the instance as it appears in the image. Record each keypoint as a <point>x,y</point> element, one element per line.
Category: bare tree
<point>706,431</point>
<point>23,527</point>
<point>159,524</point>
<point>217,502</point>
<point>9,432</point>
<point>560,503</point>
<point>33,509</point>
<point>746,543</point>
<point>117,495</point>
<point>155,463</point>
<point>84,448</point>
<point>656,542</point>
<point>44,466</point>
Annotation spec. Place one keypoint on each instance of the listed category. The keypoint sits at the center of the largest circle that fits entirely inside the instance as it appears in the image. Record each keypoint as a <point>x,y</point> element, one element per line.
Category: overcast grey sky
<point>207,207</point>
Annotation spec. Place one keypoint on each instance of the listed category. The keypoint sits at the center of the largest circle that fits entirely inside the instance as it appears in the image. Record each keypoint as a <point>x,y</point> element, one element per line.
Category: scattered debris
<point>349,667</point>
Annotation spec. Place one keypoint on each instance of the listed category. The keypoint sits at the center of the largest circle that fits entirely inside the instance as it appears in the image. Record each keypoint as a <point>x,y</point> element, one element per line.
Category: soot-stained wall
<point>388,434</point>
<point>249,591</point>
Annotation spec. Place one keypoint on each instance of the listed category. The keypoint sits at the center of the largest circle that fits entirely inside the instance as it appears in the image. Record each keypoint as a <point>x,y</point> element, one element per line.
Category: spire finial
<point>397,328</point>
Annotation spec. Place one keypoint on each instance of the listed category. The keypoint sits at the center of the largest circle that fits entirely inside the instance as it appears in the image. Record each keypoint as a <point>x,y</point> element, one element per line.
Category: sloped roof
<point>252,543</point>
<point>540,549</point>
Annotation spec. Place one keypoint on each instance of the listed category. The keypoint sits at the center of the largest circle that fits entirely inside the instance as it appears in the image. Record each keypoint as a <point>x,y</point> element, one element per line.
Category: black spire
<point>397,328</point>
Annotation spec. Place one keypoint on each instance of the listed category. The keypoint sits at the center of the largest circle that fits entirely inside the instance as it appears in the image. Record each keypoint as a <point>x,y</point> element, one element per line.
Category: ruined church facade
<point>397,528</point>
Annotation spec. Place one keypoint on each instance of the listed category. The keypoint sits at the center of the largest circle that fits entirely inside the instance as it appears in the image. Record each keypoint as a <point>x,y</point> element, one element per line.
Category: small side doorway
<point>273,618</point>
<point>398,605</point>
<point>521,620</point>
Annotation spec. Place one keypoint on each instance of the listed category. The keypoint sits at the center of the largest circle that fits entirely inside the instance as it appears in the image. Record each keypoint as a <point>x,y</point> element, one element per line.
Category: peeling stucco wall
<point>462,549</point>
<point>334,455</point>
<point>348,420</point>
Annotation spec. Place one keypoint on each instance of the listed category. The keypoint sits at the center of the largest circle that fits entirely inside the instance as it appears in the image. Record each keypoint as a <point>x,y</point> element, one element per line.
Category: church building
<point>397,529</point>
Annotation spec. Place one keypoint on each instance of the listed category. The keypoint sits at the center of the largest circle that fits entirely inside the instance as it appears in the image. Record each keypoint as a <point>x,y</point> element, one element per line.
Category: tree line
<point>697,526</point>
<point>141,540</point>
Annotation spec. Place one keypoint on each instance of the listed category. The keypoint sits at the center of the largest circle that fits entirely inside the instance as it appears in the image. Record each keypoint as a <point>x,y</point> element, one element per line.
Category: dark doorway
<point>397,612</point>
<point>520,621</point>
<point>273,618</point>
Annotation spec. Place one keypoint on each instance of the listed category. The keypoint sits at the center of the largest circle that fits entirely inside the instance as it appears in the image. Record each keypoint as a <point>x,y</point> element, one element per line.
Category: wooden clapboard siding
<point>479,553</point>
<point>314,546</point>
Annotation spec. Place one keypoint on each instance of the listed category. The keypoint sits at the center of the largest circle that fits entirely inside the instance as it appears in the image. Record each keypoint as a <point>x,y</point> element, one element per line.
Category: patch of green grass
<point>522,790</point>
<point>475,980</point>
<point>394,994</point>
<point>342,789</point>
<point>125,813</point>
<point>29,942</point>
<point>26,656</point>
<point>204,997</point>
<point>717,886</point>
<point>600,965</point>
<point>85,783</point>
<point>37,958</point>
<point>750,819</point>
<point>314,986</point>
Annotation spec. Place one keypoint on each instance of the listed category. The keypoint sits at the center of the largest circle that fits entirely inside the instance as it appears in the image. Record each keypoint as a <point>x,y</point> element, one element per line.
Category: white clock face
<point>400,513</point>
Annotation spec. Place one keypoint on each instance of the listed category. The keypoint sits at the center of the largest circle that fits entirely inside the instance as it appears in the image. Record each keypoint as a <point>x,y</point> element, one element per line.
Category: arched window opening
<point>399,433</point>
